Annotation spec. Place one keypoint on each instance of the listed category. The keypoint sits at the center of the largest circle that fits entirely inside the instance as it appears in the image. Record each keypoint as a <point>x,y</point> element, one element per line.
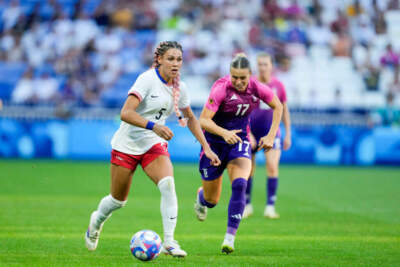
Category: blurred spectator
<point>45,88</point>
<point>91,45</point>
<point>24,90</point>
<point>145,16</point>
<point>363,31</point>
<point>389,115</point>
<point>355,9</point>
<point>341,23</point>
<point>108,42</point>
<point>315,10</point>
<point>294,11</point>
<point>11,14</point>
<point>272,8</point>
<point>319,33</point>
<point>378,18</point>
<point>370,72</point>
<point>341,46</point>
<point>122,17</point>
<point>296,40</point>
<point>390,59</point>
<point>102,15</point>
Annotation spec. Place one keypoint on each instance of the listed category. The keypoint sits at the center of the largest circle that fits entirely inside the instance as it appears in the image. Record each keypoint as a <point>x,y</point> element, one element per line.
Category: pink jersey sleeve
<point>217,95</point>
<point>282,92</point>
<point>264,92</point>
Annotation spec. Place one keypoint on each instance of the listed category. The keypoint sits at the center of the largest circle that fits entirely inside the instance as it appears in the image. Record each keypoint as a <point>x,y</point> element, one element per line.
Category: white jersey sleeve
<point>184,100</point>
<point>141,87</point>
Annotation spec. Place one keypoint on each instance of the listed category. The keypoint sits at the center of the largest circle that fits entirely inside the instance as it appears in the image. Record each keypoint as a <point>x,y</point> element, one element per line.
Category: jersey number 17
<point>242,108</point>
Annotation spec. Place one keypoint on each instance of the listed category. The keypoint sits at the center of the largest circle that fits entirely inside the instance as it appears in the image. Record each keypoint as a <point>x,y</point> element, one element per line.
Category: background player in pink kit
<point>225,118</point>
<point>141,139</point>
<point>260,124</point>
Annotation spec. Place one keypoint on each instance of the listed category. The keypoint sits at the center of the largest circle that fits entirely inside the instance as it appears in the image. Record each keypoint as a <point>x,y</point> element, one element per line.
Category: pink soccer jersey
<point>232,108</point>
<point>223,92</point>
<point>261,118</point>
<point>278,88</point>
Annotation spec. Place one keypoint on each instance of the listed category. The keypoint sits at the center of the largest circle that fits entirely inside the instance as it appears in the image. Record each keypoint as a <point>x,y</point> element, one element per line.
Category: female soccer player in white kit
<point>141,139</point>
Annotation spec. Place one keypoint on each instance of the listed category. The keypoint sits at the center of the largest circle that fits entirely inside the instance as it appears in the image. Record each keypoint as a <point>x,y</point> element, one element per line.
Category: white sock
<point>168,206</point>
<point>229,237</point>
<point>106,206</point>
<point>271,208</point>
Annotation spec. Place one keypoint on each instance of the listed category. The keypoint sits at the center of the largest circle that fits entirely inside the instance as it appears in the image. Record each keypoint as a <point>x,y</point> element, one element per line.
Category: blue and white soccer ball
<point>145,245</point>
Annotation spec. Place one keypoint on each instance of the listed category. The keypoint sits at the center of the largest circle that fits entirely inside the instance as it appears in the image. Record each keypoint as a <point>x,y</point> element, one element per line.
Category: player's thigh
<point>121,179</point>
<point>239,168</point>
<point>212,190</point>
<point>159,168</point>
<point>272,157</point>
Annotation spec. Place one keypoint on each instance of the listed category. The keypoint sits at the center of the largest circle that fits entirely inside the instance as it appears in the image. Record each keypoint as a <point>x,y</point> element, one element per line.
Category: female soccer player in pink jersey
<point>260,124</point>
<point>142,139</point>
<point>225,119</point>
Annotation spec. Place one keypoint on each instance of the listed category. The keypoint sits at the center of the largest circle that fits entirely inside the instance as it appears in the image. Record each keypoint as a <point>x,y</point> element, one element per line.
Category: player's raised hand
<point>163,131</point>
<point>231,137</point>
<point>213,157</point>
<point>266,143</point>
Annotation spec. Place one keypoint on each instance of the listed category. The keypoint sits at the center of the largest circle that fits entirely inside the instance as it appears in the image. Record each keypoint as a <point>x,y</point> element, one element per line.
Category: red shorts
<point>131,161</point>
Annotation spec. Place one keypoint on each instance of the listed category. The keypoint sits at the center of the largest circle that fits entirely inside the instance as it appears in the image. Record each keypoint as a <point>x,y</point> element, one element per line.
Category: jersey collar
<point>160,77</point>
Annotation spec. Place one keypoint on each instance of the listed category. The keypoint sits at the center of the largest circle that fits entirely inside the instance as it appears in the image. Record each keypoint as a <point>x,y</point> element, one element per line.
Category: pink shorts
<point>131,161</point>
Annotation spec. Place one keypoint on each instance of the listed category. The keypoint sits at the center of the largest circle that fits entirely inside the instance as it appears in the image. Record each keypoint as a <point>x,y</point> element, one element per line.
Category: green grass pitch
<point>330,216</point>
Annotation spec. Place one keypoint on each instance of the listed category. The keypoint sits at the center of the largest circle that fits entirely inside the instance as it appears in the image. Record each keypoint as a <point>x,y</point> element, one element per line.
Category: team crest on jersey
<point>254,98</point>
<point>210,101</point>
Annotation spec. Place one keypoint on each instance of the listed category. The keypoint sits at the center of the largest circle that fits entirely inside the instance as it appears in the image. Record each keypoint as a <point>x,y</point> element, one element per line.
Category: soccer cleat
<point>228,246</point>
<point>92,234</point>
<point>172,248</point>
<point>248,211</point>
<point>200,210</point>
<point>270,212</point>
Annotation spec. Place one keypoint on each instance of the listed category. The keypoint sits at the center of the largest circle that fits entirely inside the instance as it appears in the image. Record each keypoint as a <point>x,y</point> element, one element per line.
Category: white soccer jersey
<point>156,104</point>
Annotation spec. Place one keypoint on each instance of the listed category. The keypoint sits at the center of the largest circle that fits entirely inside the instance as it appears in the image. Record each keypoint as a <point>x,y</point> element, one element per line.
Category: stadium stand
<point>330,54</point>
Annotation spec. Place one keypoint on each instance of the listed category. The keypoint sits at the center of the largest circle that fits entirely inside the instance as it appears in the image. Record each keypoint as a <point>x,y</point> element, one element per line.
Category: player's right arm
<point>210,126</point>
<point>129,115</point>
<point>217,96</point>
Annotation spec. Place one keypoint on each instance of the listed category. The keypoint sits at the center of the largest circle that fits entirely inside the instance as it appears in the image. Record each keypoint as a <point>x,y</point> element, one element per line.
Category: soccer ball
<point>145,245</point>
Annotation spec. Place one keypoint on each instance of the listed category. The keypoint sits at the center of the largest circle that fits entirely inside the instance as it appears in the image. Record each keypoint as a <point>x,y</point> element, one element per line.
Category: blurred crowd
<point>80,51</point>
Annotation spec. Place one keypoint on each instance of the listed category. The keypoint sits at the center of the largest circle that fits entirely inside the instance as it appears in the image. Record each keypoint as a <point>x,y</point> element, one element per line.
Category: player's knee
<point>272,169</point>
<point>167,185</point>
<point>239,186</point>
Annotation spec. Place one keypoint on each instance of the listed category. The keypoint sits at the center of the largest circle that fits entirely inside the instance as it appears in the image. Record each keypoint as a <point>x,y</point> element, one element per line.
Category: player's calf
<point>201,205</point>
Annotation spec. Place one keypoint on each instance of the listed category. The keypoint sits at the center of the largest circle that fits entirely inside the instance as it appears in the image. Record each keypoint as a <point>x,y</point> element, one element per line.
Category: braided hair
<point>159,52</point>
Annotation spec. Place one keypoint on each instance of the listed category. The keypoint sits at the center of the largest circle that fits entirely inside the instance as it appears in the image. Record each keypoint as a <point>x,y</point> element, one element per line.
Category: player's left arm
<point>194,126</point>
<point>268,96</point>
<point>267,141</point>
<point>287,142</point>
